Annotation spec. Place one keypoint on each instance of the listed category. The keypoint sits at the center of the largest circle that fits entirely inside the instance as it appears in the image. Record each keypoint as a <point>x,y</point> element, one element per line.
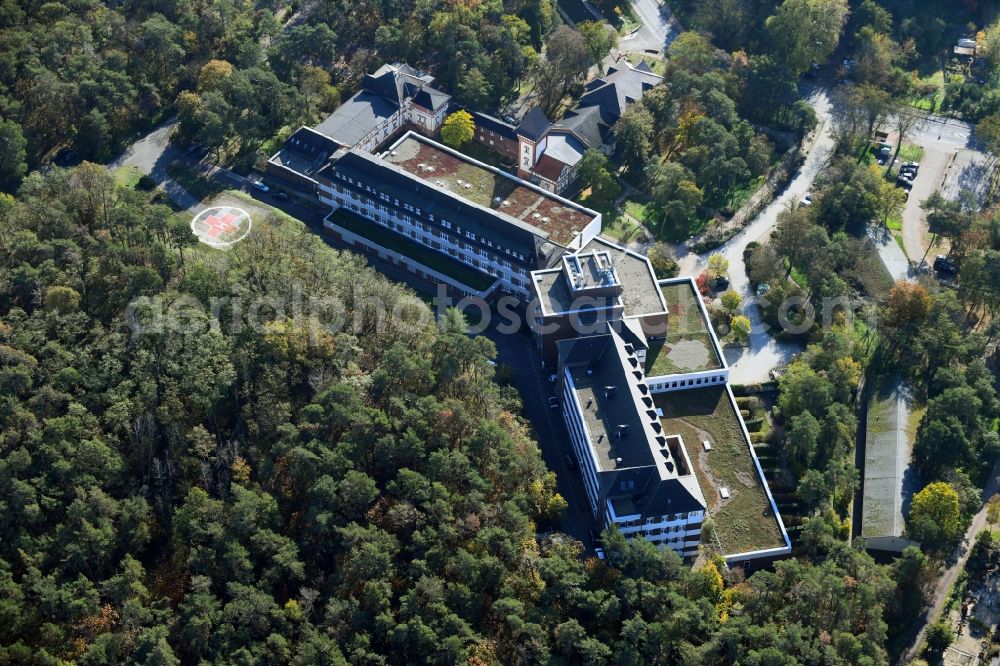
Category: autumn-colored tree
<point>934,519</point>
<point>741,328</point>
<point>212,73</point>
<point>717,265</point>
<point>731,301</point>
<point>906,305</point>
<point>458,128</point>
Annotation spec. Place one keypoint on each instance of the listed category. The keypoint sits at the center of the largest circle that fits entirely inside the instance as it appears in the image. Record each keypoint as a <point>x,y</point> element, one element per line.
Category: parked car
<point>904,182</point>
<point>259,185</point>
<point>915,165</point>
<point>570,462</point>
<point>807,200</point>
<point>943,264</point>
<point>599,552</point>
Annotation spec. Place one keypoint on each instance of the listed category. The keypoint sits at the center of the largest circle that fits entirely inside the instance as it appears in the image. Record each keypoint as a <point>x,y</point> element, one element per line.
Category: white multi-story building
<point>637,477</point>
<point>622,343</point>
<point>443,200</point>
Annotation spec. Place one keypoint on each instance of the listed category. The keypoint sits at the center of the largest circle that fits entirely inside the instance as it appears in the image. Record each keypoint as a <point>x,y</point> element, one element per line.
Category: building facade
<point>486,239</point>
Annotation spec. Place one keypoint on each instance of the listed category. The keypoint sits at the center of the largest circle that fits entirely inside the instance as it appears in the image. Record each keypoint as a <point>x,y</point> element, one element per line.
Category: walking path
<point>151,155</point>
<point>763,353</point>
<point>946,581</point>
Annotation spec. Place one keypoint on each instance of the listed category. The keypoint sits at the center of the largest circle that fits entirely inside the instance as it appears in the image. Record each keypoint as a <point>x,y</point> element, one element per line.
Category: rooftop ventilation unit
<point>468,186</point>
<point>724,492</point>
<point>622,430</point>
<point>590,371</point>
<point>610,391</point>
<point>506,202</point>
<point>393,153</point>
<point>535,216</point>
<point>497,200</point>
<point>708,445</point>
<point>618,461</point>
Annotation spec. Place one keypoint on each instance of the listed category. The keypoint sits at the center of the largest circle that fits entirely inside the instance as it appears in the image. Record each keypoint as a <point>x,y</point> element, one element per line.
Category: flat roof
<point>603,416</point>
<point>561,220</point>
<point>689,345</point>
<point>640,292</point>
<point>745,521</point>
<point>556,297</point>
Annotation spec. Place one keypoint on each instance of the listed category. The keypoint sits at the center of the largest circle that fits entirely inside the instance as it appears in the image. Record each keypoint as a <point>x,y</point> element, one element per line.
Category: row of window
<point>653,520</point>
<point>715,379</point>
<point>467,257</point>
<point>413,209</point>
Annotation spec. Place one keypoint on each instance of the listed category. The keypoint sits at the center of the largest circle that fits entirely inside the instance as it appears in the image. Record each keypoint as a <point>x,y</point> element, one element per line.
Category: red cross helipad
<point>218,225</point>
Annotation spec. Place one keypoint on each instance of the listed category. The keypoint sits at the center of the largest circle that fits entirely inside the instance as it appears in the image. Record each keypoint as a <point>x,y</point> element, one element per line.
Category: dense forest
<point>86,76</point>
<point>280,493</point>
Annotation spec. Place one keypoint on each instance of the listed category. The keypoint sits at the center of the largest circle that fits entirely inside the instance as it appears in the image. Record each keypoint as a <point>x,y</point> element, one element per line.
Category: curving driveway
<point>753,363</point>
<point>658,27</point>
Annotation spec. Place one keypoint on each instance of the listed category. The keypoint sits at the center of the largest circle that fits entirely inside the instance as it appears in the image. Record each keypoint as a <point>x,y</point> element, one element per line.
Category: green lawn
<point>910,152</point>
<point>423,255</point>
<point>688,345</point>
<point>624,19</point>
<point>127,176</point>
<point>619,229</point>
<point>637,209</point>
<point>193,181</point>
<point>658,65</point>
<point>934,84</point>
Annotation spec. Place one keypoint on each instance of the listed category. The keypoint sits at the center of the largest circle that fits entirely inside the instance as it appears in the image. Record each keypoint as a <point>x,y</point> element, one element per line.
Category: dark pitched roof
<point>644,67</point>
<point>398,183</point>
<point>308,141</point>
<point>357,117</point>
<point>487,122</point>
<point>617,89</point>
<point>641,472</point>
<point>430,99</point>
<point>588,124</point>
<point>305,151</point>
<point>534,125</point>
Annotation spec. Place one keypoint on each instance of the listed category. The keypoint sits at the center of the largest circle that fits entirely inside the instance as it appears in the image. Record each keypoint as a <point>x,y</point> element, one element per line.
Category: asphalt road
<point>950,162</point>
<point>658,27</point>
<point>151,155</point>
<point>754,362</point>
